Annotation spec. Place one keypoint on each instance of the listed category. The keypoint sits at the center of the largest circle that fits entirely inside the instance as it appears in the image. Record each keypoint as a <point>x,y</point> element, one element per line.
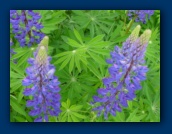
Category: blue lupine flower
<point>42,85</point>
<point>126,73</point>
<point>26,27</point>
<point>140,15</point>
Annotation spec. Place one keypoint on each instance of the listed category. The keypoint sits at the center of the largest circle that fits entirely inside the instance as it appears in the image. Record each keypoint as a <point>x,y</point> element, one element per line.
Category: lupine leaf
<point>78,115</point>
<point>17,69</point>
<point>78,36</point>
<point>95,39</point>
<point>132,115</point>
<point>97,58</point>
<point>73,43</point>
<point>71,65</point>
<point>17,107</point>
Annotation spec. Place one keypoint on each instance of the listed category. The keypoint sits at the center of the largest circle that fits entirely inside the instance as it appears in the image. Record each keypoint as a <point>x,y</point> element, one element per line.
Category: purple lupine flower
<point>140,15</point>
<point>11,50</point>
<point>26,27</point>
<point>126,73</point>
<point>42,85</point>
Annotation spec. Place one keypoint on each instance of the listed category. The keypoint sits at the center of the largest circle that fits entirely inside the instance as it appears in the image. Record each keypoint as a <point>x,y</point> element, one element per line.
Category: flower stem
<point>127,30</point>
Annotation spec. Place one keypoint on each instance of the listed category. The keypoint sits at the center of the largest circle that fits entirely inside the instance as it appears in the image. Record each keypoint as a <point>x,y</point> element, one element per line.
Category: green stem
<point>131,24</point>
<point>125,19</point>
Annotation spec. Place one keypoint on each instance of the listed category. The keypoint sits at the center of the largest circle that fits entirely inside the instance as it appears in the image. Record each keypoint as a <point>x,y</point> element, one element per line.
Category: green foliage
<point>80,42</point>
<point>82,51</point>
<point>70,113</point>
<point>51,20</point>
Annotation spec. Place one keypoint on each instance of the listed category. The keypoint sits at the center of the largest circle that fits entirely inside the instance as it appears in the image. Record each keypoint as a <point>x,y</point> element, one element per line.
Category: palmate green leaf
<point>132,115</point>
<point>61,59</point>
<point>64,105</point>
<point>76,90</point>
<point>71,42</point>
<point>19,119</point>
<point>65,62</point>
<point>147,93</point>
<point>100,51</point>
<point>95,40</point>
<point>71,58</point>
<point>24,59</point>
<point>15,75</point>
<point>20,95</point>
<point>93,48</point>
<point>97,30</point>
<point>74,119</point>
<point>97,47</point>
<point>83,58</point>
<point>77,62</point>
<point>20,54</point>
<point>68,103</point>
<point>94,69</point>
<point>69,119</point>
<point>116,32</point>
<point>78,36</point>
<point>78,115</point>
<point>72,87</point>
<point>17,69</point>
<point>13,82</point>
<point>94,21</point>
<point>51,19</point>
<point>71,93</point>
<point>75,57</point>
<point>102,44</point>
<point>152,54</point>
<point>111,29</point>
<point>76,107</point>
<point>137,118</point>
<point>92,32</point>
<point>97,58</point>
<point>61,54</point>
<point>15,88</point>
<point>120,117</point>
<point>120,38</point>
<point>70,113</point>
<point>17,107</point>
<point>103,27</point>
<point>89,76</point>
<point>71,64</point>
<point>15,85</point>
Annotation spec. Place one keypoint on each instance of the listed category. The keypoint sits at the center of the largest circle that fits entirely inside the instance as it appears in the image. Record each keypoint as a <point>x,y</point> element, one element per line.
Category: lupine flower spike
<point>42,85</point>
<point>140,15</point>
<point>26,26</point>
<point>126,73</point>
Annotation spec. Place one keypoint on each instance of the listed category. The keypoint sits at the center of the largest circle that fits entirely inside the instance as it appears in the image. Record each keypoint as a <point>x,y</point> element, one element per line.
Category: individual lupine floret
<point>126,73</point>
<point>42,85</point>
<point>140,15</point>
<point>26,27</point>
